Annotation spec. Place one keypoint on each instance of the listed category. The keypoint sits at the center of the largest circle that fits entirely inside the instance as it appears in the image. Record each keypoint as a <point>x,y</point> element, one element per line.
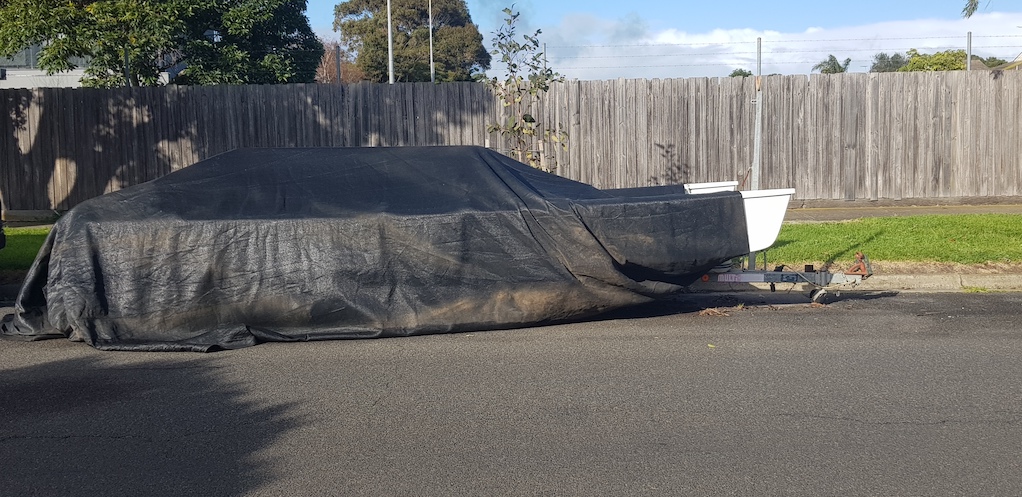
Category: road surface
<point>752,394</point>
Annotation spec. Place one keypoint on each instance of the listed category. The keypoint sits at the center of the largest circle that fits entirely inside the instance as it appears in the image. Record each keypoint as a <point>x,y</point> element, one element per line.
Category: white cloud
<point>583,46</point>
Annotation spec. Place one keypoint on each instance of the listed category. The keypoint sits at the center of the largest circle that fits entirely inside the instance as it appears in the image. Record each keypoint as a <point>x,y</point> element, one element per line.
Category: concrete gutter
<point>888,282</point>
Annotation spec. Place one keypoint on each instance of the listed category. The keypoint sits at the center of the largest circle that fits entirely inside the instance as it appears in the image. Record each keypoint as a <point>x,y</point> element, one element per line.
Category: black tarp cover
<point>307,244</point>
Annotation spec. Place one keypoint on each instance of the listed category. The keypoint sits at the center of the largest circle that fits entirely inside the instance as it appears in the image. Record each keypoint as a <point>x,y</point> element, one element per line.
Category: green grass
<point>22,246</point>
<point>962,239</point>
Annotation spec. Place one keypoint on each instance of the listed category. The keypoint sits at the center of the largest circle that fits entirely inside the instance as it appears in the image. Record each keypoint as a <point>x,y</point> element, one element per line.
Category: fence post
<point>337,54</point>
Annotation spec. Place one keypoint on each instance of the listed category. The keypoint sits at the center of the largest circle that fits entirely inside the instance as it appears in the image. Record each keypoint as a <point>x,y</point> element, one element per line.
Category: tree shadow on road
<point>90,427</point>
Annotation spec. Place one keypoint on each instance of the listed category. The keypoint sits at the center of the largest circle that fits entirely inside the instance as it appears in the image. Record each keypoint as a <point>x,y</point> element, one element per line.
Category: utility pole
<point>968,53</point>
<point>432,66</point>
<point>758,137</point>
<point>337,54</point>
<point>390,44</point>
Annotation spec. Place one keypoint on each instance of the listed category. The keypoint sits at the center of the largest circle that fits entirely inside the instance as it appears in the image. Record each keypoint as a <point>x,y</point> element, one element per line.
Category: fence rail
<point>831,137</point>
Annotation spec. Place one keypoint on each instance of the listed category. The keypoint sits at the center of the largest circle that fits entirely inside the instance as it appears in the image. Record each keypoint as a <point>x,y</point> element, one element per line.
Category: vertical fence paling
<point>846,136</point>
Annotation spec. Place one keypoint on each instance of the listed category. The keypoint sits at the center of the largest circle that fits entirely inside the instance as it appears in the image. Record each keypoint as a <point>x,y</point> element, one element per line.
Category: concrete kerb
<point>888,282</point>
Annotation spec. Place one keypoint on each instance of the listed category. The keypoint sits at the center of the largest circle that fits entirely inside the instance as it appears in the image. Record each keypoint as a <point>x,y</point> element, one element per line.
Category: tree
<point>130,42</point>
<point>458,50</point>
<point>883,62</point>
<point>327,70</point>
<point>991,62</point>
<point>970,8</point>
<point>948,60</point>
<point>830,65</point>
<point>249,42</point>
<point>740,73</point>
<point>527,77</point>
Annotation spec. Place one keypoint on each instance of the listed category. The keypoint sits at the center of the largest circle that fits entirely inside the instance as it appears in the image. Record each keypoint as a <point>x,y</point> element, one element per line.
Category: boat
<point>297,244</point>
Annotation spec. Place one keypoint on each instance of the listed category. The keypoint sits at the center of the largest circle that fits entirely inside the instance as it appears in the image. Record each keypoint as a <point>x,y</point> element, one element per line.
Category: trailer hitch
<point>862,267</point>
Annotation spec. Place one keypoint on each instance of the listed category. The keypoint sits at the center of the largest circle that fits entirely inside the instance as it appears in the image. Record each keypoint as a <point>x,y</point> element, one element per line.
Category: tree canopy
<point>830,65</point>
<point>327,70</point>
<point>249,41</point>
<point>948,60</point>
<point>458,50</point>
<point>882,62</point>
<point>740,73</point>
<point>991,62</point>
<point>130,42</point>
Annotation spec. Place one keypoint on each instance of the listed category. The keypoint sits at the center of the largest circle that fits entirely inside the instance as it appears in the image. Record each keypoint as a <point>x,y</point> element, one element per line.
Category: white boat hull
<point>764,214</point>
<point>764,210</point>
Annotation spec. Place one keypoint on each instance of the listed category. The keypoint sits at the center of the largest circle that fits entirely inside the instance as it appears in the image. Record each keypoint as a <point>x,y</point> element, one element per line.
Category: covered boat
<point>307,244</point>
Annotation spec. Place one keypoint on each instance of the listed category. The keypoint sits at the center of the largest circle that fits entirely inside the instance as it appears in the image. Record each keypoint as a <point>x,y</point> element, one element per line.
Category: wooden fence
<point>849,136</point>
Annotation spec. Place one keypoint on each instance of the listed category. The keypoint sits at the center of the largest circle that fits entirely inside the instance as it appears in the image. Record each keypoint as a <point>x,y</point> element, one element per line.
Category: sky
<point>602,39</point>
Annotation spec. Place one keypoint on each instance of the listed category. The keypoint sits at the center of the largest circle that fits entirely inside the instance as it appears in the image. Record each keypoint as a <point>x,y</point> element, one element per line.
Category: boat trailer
<point>764,211</point>
<point>821,280</point>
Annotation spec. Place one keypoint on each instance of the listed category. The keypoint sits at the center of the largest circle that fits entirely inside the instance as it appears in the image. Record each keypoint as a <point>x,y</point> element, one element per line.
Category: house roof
<point>978,65</point>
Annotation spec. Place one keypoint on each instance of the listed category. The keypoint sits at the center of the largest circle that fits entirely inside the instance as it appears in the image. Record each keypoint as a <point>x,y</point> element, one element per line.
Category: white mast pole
<point>390,44</point>
<point>432,66</point>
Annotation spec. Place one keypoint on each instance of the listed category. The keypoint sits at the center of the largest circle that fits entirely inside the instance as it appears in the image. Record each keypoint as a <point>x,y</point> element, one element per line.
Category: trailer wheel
<point>817,294</point>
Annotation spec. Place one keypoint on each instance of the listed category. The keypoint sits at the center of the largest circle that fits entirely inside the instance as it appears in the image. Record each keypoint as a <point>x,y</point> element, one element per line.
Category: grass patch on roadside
<point>22,246</point>
<point>960,239</point>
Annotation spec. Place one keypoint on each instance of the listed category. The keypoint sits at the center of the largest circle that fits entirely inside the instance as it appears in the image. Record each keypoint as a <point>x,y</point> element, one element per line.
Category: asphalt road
<point>871,394</point>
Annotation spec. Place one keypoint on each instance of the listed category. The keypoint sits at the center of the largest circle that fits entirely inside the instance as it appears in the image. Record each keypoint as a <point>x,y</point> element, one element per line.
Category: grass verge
<point>972,239</point>
<point>22,246</point>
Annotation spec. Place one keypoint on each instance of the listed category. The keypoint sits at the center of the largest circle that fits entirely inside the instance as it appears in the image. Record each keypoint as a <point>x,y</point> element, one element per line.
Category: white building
<point>22,71</point>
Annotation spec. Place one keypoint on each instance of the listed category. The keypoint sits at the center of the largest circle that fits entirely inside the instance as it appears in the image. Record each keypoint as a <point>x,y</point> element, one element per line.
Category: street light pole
<point>432,67</point>
<point>968,52</point>
<point>390,44</point>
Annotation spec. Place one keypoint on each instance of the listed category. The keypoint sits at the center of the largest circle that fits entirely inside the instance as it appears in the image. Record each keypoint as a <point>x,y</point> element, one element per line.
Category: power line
<point>709,43</point>
<point>692,65</point>
<point>827,50</point>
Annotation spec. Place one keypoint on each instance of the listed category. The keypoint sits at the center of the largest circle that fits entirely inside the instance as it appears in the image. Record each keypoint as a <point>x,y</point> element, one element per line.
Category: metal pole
<point>432,66</point>
<point>758,138</point>
<point>968,53</point>
<point>337,53</point>
<point>390,45</point>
